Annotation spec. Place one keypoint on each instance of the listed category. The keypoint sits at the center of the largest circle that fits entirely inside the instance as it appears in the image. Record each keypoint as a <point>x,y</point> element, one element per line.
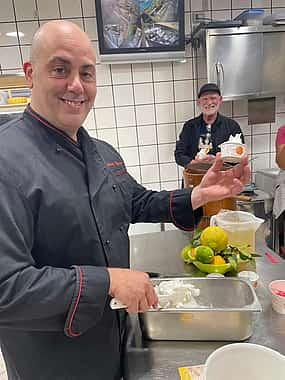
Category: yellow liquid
<point>244,237</point>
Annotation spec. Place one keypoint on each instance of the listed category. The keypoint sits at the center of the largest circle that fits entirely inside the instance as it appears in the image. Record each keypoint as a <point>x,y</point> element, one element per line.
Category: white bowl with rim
<point>244,361</point>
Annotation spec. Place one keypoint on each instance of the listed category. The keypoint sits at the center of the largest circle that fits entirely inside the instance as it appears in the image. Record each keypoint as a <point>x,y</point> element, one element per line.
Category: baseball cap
<point>208,87</point>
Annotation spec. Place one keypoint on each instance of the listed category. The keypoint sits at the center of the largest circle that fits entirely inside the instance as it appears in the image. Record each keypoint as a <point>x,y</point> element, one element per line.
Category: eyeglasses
<point>209,98</point>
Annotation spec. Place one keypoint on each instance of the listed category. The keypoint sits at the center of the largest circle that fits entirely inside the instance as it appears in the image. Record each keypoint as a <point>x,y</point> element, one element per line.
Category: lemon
<point>214,237</point>
<point>204,254</point>
<point>218,260</point>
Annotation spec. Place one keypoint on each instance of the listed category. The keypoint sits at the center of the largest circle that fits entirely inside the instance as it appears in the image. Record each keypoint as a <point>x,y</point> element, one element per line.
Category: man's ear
<point>28,70</point>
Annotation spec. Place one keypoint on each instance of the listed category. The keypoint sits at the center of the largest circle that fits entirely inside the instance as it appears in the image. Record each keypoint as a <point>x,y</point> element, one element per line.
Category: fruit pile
<point>210,252</point>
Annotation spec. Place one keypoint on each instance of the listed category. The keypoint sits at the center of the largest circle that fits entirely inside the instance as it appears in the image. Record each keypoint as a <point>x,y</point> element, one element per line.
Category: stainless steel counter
<point>159,252</point>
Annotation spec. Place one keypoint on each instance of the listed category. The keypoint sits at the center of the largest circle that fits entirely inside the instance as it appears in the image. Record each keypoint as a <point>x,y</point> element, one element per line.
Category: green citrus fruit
<point>185,252</point>
<point>204,254</point>
<point>214,237</point>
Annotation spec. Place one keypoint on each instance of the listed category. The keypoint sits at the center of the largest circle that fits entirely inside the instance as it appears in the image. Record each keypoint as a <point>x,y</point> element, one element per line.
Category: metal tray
<point>224,312</point>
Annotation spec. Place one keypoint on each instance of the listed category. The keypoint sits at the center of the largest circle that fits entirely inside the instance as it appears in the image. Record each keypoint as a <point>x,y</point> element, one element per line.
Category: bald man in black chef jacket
<point>66,204</point>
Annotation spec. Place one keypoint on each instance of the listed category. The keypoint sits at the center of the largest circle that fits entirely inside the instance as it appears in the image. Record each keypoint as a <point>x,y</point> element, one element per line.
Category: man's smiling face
<point>62,76</point>
<point>209,103</point>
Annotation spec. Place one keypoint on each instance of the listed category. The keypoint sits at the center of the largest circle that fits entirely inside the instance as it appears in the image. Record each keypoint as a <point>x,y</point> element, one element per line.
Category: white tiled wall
<point>140,108</point>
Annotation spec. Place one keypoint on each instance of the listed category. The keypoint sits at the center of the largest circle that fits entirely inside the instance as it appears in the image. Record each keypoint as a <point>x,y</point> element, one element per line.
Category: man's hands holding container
<point>217,184</point>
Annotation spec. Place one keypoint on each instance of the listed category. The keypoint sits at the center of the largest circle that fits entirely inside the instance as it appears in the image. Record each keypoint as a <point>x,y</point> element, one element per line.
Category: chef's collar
<point>29,111</point>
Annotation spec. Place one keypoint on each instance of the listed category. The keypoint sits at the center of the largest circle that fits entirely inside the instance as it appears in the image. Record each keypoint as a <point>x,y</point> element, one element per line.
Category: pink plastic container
<point>277,290</point>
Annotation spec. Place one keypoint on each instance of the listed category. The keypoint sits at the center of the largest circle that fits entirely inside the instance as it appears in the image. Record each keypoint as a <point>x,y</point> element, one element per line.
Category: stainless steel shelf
<point>7,108</point>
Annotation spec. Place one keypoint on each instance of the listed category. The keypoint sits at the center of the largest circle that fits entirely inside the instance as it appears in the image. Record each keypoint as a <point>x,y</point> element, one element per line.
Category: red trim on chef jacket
<point>69,328</point>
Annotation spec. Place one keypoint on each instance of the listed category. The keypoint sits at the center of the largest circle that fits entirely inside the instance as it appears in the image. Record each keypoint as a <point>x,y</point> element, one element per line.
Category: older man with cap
<point>209,129</point>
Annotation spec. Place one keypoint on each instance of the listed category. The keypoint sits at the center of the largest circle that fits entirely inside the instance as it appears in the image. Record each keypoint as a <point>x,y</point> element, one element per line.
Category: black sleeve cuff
<point>88,301</point>
<point>185,217</point>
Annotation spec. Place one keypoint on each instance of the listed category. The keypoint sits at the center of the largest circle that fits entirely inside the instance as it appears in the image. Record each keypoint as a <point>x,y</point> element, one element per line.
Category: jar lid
<point>249,275</point>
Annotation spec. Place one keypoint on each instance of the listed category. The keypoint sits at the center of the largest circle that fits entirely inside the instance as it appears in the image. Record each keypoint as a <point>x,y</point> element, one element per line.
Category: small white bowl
<point>277,290</point>
<point>232,152</point>
<point>250,276</point>
<point>244,361</point>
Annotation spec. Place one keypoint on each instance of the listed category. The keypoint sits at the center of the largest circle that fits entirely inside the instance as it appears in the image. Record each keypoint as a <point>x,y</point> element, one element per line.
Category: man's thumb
<point>218,163</point>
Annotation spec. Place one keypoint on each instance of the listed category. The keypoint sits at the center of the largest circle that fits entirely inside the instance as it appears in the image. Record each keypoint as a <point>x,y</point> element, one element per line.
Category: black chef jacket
<point>188,144</point>
<point>65,210</point>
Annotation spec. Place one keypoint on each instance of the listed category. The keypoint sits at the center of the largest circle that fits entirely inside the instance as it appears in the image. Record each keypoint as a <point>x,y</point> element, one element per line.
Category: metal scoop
<point>116,304</point>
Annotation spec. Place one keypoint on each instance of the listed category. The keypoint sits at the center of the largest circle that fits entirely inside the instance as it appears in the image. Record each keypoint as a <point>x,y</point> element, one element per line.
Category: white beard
<point>209,111</point>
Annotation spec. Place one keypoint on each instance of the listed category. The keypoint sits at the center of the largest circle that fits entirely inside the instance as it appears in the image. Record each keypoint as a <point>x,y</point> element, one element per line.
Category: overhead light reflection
<point>15,34</point>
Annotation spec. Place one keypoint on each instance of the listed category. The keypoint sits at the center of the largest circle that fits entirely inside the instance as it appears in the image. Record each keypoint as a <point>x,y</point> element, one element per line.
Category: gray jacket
<point>65,209</point>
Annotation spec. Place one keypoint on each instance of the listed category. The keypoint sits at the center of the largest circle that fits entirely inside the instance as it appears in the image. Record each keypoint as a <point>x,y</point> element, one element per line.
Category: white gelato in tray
<point>176,294</point>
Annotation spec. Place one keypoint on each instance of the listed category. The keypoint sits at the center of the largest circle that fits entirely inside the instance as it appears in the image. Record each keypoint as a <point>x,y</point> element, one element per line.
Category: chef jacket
<point>188,144</point>
<point>65,209</point>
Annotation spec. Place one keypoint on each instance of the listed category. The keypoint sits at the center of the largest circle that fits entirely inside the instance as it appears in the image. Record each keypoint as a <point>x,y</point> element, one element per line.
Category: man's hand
<point>217,184</point>
<point>197,159</point>
<point>132,288</point>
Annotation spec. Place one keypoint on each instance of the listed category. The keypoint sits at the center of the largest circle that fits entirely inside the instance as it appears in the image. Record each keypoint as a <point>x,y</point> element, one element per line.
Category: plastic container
<point>244,361</point>
<point>277,290</point>
<point>275,19</point>
<point>240,226</point>
<point>17,100</point>
<point>250,276</point>
<point>253,16</point>
<point>232,152</point>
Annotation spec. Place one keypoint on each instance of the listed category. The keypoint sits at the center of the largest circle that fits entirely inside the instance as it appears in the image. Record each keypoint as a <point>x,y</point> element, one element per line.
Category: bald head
<point>52,33</point>
<point>61,73</point>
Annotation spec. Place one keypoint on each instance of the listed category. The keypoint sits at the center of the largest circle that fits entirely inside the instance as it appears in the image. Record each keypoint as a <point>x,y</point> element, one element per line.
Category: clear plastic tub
<point>251,16</point>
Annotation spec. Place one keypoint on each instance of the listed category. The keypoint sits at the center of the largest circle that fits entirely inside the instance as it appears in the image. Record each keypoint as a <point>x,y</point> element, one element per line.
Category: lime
<point>214,237</point>
<point>204,254</point>
<point>185,252</point>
